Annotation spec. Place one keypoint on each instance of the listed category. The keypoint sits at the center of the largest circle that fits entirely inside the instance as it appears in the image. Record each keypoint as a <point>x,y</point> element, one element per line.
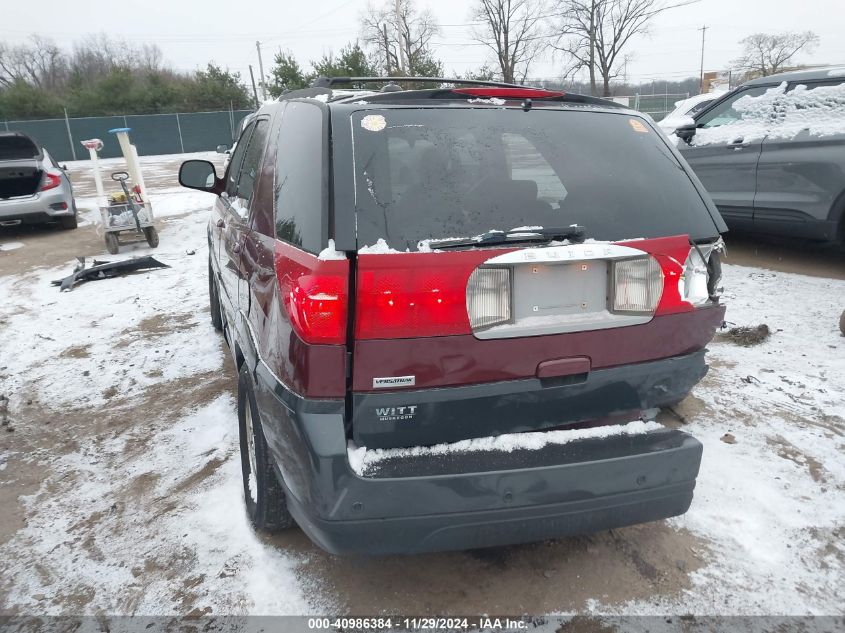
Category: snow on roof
<point>781,114</point>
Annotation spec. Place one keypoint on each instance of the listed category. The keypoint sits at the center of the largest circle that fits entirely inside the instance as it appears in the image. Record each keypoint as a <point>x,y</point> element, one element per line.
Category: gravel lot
<point>120,481</point>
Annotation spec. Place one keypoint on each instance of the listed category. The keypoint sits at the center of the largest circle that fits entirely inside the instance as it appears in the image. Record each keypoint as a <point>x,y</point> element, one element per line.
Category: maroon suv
<point>411,268</point>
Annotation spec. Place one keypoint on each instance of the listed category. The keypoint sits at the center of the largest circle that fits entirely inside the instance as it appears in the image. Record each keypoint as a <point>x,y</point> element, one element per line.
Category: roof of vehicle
<point>809,74</point>
<point>447,91</point>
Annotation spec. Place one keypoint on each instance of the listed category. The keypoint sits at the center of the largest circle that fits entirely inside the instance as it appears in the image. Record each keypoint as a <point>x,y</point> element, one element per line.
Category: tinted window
<point>436,173</point>
<point>235,162</point>
<point>724,113</point>
<point>299,177</point>
<point>252,160</point>
<point>15,147</point>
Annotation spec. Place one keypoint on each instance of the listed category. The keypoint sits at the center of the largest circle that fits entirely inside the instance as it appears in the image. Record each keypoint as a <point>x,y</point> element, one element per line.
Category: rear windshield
<point>17,148</point>
<point>439,173</point>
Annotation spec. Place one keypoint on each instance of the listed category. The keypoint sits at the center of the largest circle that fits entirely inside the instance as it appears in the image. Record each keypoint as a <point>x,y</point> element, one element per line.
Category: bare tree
<point>594,34</point>
<point>41,63</point>
<point>401,39</point>
<point>764,54</point>
<point>513,30</point>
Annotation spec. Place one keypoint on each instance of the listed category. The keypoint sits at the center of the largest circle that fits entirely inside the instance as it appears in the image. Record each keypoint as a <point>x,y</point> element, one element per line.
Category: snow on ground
<point>137,322</point>
<point>771,505</point>
<point>11,246</point>
<point>94,544</point>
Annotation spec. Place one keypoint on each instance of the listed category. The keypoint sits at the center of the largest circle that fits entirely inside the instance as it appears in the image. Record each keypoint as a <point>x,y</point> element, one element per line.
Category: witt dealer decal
<point>396,414</point>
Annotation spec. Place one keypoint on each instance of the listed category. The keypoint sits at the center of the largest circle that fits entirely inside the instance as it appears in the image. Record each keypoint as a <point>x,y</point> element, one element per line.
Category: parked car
<point>403,269</point>
<point>771,153</point>
<point>686,108</point>
<point>33,187</point>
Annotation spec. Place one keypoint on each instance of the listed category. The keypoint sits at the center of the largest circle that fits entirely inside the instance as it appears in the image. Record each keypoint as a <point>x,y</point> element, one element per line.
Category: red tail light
<point>315,294</point>
<point>51,180</point>
<point>414,295</point>
<point>509,93</point>
<point>670,253</point>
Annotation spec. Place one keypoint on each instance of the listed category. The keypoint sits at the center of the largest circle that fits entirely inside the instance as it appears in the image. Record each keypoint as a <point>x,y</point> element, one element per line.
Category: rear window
<point>437,173</point>
<point>17,148</point>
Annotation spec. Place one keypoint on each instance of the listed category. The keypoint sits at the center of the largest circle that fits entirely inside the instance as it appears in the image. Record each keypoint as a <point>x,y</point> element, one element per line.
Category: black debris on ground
<point>746,336</point>
<point>106,270</point>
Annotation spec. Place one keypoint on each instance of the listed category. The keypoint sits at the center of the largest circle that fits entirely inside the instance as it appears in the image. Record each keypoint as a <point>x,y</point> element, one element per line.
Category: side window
<point>252,160</point>
<point>299,177</point>
<point>235,162</point>
<point>724,113</point>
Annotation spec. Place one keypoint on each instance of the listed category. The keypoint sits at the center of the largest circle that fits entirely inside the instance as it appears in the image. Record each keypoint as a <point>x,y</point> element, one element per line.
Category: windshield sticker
<point>638,126</point>
<point>374,122</point>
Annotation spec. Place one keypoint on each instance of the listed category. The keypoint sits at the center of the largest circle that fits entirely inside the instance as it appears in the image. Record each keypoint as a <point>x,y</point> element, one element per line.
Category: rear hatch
<point>20,166</point>
<point>477,304</point>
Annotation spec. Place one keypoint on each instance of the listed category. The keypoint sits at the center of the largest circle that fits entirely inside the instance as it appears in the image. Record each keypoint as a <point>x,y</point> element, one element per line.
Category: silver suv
<point>771,153</point>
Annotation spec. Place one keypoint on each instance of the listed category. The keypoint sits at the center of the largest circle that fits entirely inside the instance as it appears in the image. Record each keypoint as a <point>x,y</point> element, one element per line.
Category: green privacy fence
<point>151,133</point>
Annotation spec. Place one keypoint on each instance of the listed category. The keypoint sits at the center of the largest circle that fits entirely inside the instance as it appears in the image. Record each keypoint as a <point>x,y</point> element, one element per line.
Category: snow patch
<point>363,460</point>
<point>490,101</point>
<point>778,114</point>
<point>379,248</point>
<point>11,246</point>
<point>330,253</point>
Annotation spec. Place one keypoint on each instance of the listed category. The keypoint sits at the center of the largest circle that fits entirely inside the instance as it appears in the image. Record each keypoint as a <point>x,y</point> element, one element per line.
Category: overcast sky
<point>192,32</point>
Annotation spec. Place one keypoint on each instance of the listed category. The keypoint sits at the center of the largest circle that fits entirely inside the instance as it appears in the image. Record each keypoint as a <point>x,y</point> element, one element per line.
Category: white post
<point>94,145</point>
<point>131,158</point>
<point>140,181</point>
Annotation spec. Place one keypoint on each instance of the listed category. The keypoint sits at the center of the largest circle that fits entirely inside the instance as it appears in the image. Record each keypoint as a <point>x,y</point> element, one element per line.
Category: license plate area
<point>558,298</point>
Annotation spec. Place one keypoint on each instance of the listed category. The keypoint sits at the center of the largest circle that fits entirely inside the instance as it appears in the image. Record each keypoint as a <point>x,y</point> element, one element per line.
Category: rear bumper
<point>42,207</point>
<point>417,504</point>
<point>648,482</point>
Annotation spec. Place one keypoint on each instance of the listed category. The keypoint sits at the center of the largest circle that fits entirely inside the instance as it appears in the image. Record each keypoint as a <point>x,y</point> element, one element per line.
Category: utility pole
<point>403,62</point>
<point>386,48</point>
<point>254,91</point>
<point>703,30</point>
<point>261,72</point>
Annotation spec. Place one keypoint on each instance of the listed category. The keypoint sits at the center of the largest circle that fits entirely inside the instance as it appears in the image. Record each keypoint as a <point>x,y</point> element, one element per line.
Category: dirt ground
<point>644,563</point>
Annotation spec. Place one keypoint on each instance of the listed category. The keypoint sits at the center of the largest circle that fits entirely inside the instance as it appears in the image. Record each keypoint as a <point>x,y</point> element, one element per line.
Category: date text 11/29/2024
<point>418,624</point>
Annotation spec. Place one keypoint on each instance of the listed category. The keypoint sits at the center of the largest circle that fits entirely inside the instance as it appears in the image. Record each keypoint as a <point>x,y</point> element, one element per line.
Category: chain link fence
<point>657,105</point>
<point>151,133</point>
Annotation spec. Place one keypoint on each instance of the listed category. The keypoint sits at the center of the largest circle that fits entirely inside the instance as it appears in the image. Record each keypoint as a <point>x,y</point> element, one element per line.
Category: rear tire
<point>112,245</point>
<point>214,300</point>
<point>263,494</point>
<point>152,236</point>
<point>70,221</point>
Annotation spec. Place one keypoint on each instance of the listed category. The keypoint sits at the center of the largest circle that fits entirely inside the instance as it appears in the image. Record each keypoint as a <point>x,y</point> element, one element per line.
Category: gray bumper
<point>470,500</point>
<point>37,208</point>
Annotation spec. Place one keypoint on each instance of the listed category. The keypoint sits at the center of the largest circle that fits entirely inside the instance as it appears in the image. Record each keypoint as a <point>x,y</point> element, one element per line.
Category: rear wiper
<point>574,233</point>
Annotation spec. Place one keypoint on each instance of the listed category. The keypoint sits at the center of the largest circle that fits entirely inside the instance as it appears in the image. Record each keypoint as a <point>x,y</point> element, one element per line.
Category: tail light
<point>692,286</point>
<point>51,180</point>
<point>637,285</point>
<point>685,286</point>
<point>509,93</point>
<point>488,297</point>
<point>315,294</point>
<point>414,295</point>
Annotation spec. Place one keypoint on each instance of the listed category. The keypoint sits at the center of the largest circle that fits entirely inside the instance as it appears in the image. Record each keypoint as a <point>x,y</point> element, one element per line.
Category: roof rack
<point>328,82</point>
